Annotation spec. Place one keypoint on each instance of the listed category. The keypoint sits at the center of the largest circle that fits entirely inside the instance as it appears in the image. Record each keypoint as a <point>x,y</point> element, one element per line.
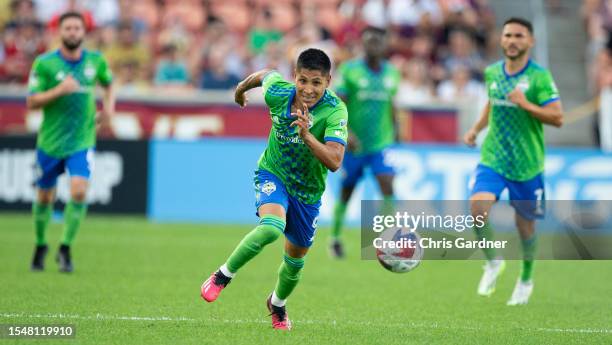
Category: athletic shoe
<point>336,249</point>
<point>521,293</point>
<point>280,319</point>
<point>492,270</point>
<point>38,261</point>
<point>212,287</point>
<point>64,259</point>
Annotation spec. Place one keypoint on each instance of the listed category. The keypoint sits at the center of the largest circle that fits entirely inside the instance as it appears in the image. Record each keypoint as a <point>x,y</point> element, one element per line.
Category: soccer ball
<point>400,260</point>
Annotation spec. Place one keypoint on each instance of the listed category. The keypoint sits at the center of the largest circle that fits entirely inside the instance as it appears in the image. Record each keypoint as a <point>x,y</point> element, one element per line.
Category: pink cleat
<point>280,319</point>
<point>212,287</point>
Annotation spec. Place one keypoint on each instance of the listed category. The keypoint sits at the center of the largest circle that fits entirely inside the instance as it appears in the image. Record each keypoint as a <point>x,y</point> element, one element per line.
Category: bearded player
<point>522,98</point>
<point>307,139</point>
<point>62,83</point>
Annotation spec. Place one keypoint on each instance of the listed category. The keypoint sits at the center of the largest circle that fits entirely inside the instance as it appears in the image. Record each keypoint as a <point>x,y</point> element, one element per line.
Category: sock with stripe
<point>529,249</point>
<point>269,229</point>
<point>338,221</point>
<point>486,233</point>
<point>289,275</point>
<point>388,205</point>
<point>74,213</point>
<point>42,215</point>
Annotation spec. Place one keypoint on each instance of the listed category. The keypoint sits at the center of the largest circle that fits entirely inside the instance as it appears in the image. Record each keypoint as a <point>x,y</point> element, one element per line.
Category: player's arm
<point>252,81</point>
<point>353,143</point>
<point>483,121</point>
<point>400,131</point>
<point>108,106</point>
<point>550,114</point>
<point>330,153</point>
<point>40,99</point>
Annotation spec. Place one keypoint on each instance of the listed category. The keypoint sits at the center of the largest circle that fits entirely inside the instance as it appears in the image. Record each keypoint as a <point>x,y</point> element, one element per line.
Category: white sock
<point>277,301</point>
<point>226,272</point>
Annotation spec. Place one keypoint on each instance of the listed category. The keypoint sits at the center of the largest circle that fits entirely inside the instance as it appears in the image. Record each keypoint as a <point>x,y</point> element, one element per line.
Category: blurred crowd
<point>597,16</point>
<point>440,46</point>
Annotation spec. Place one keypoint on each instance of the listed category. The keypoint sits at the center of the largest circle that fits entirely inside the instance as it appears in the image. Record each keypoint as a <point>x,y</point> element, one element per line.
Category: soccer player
<point>522,98</point>
<point>308,136</point>
<point>62,83</point>
<point>368,86</point>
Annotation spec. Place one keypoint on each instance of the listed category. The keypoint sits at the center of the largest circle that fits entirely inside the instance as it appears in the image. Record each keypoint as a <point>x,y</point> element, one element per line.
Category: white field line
<point>312,322</point>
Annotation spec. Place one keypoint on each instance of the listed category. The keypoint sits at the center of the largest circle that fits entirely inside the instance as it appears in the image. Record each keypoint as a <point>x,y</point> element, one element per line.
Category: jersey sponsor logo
<point>269,187</point>
<point>502,103</point>
<point>363,82</point>
<point>295,139</point>
<point>367,95</point>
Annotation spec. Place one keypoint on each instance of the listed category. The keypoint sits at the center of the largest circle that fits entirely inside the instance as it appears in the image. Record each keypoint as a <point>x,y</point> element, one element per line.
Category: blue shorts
<point>527,197</point>
<point>301,218</point>
<point>353,166</point>
<point>50,168</point>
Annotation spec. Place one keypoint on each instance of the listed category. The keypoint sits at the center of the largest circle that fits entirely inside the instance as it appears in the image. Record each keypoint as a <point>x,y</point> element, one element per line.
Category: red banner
<point>192,120</point>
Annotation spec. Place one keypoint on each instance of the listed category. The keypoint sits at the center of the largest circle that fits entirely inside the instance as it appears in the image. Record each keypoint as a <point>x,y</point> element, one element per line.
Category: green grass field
<point>138,283</point>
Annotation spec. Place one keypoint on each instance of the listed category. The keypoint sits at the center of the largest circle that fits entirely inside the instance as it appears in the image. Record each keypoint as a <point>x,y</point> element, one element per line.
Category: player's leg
<point>49,169</point>
<point>384,173</point>
<point>271,203</point>
<point>79,166</point>
<point>300,232</point>
<point>528,201</point>
<point>487,186</point>
<point>352,171</point>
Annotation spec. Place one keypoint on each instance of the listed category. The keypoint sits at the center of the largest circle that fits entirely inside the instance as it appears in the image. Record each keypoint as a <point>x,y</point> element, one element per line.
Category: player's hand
<point>69,85</point>
<point>303,122</point>
<point>103,121</point>
<point>517,97</point>
<point>240,96</point>
<point>470,137</point>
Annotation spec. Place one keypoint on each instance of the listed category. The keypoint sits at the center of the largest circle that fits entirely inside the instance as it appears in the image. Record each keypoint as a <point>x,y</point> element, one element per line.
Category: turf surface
<point>138,283</point>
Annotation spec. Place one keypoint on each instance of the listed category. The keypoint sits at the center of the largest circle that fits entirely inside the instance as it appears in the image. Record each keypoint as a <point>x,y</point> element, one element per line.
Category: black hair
<point>314,59</point>
<point>71,14</point>
<point>520,21</point>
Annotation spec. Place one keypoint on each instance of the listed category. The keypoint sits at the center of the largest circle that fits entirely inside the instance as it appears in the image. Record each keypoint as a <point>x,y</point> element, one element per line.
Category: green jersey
<point>287,156</point>
<point>369,95</point>
<point>69,121</point>
<point>514,146</point>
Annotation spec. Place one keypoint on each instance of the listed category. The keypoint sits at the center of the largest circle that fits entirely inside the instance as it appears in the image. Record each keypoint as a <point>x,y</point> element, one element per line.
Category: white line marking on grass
<point>333,323</point>
<point>95,317</point>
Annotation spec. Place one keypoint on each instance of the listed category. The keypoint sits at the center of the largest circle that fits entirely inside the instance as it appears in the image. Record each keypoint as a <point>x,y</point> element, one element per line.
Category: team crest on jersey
<point>269,187</point>
<point>523,84</point>
<point>388,83</point>
<point>60,75</point>
<point>89,72</point>
<point>363,82</point>
<point>275,119</point>
<point>493,86</point>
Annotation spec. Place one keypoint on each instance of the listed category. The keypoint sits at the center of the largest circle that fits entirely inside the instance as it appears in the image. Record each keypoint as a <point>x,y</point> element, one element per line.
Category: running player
<point>62,83</point>
<point>308,136</point>
<point>522,98</point>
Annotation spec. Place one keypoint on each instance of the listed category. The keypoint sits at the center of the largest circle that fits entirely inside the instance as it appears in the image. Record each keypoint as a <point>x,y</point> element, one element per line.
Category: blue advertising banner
<point>210,180</point>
